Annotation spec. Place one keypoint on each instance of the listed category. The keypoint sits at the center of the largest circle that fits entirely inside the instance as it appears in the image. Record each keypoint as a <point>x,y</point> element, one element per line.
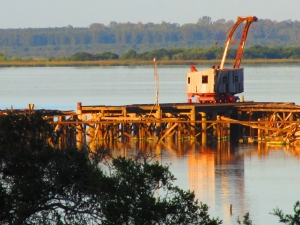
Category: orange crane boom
<point>241,47</point>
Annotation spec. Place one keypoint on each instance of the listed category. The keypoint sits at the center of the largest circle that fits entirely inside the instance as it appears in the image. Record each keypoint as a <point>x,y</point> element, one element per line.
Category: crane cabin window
<point>236,79</point>
<point>225,80</point>
<point>189,80</point>
<point>204,79</point>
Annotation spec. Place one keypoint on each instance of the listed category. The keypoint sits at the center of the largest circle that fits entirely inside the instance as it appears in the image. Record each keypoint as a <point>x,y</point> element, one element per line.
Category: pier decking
<point>272,122</point>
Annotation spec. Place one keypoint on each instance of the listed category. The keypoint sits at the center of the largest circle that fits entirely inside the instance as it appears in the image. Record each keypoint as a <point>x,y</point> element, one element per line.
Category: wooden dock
<point>271,122</point>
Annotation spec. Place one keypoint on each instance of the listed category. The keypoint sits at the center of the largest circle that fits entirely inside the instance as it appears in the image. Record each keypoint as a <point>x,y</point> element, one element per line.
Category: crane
<point>249,20</point>
<point>220,84</point>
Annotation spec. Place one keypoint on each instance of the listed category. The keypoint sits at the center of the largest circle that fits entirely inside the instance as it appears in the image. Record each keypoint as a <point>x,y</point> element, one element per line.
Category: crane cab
<point>215,85</point>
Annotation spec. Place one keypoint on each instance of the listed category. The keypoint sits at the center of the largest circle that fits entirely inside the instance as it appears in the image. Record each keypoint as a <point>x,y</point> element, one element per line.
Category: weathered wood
<point>168,131</point>
<point>180,120</point>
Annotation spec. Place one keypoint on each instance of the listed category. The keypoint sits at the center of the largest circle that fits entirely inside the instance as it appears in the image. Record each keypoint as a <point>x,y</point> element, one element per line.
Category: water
<point>251,177</point>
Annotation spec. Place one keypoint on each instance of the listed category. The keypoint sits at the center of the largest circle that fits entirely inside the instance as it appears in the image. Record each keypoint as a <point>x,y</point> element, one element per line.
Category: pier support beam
<point>204,125</point>
<point>78,127</point>
<point>193,123</point>
<point>158,125</point>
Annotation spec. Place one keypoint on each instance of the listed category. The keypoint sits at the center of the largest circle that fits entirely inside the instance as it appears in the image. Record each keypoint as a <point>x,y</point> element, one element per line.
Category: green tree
<point>288,219</point>
<point>3,57</point>
<point>82,56</point>
<point>106,56</point>
<point>246,220</point>
<point>41,184</point>
<point>131,54</point>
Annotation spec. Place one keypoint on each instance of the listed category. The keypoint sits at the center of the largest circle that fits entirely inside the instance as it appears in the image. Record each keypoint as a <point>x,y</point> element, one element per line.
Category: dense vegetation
<point>41,184</point>
<point>121,37</point>
<point>213,53</point>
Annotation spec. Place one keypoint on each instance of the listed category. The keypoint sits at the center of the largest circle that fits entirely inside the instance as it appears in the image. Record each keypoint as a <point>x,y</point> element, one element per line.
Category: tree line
<point>213,53</point>
<point>42,184</point>
<point>121,37</point>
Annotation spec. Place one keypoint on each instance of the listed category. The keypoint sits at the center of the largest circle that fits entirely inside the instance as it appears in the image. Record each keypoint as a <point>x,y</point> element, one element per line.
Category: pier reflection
<point>216,172</point>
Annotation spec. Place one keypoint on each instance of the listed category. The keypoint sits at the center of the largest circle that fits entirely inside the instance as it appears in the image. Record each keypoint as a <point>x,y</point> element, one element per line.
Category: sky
<point>82,13</point>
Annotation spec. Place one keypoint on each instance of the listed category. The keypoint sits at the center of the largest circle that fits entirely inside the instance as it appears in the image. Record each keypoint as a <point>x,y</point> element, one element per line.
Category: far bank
<point>138,62</point>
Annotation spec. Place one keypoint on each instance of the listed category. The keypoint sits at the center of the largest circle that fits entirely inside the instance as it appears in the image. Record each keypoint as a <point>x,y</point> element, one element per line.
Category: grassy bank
<point>137,62</point>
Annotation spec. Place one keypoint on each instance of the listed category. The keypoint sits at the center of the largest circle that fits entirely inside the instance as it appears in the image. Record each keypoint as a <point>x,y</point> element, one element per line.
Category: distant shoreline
<point>137,62</point>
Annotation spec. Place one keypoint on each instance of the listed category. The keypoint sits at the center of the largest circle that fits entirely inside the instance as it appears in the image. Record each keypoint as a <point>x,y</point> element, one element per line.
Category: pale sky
<point>82,13</point>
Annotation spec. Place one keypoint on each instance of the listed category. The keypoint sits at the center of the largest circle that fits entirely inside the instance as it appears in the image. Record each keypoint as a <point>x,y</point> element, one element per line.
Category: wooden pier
<point>271,122</point>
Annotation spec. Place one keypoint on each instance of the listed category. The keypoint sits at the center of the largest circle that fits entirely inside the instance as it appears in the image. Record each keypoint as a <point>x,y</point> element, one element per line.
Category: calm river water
<point>253,178</point>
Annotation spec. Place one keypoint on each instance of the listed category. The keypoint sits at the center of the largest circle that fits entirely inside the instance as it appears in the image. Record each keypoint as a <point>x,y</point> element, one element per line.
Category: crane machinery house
<point>215,85</point>
<point>220,84</point>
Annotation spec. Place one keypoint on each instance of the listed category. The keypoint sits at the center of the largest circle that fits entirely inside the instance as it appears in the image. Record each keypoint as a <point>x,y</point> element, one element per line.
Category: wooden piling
<point>193,122</point>
<point>60,137</point>
<point>204,125</point>
<point>158,124</point>
<point>259,132</point>
<point>79,128</point>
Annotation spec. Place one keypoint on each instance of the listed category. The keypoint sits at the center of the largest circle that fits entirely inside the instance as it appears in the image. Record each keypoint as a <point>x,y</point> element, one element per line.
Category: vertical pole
<point>266,131</point>
<point>215,126</point>
<point>111,127</point>
<point>60,145</point>
<point>219,129</point>
<point>84,118</point>
<point>79,129</point>
<point>228,130</point>
<point>240,130</point>
<point>139,132</point>
<point>193,122</point>
<point>204,125</point>
<point>259,136</point>
<point>92,138</point>
<point>156,81</point>
<point>251,133</point>
<point>158,124</point>
<point>125,125</point>
<point>179,131</point>
<point>101,128</point>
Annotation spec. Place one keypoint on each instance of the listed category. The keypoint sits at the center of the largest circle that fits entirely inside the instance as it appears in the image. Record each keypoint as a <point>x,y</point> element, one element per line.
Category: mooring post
<point>204,125</point>
<point>78,127</point>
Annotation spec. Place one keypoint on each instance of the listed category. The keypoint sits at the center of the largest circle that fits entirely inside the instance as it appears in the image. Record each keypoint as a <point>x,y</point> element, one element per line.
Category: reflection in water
<point>217,176</point>
<point>201,173</point>
<point>222,174</point>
